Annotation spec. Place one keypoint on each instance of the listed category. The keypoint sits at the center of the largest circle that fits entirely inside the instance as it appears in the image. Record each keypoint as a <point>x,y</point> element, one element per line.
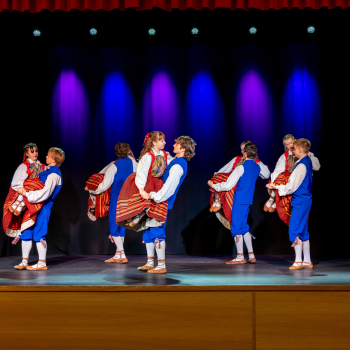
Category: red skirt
<point>13,225</point>
<point>101,201</point>
<point>283,207</point>
<point>226,198</point>
<point>130,202</point>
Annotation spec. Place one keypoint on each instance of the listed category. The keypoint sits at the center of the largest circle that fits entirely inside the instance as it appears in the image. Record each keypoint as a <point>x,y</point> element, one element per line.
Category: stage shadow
<point>144,277</point>
<point>205,235</point>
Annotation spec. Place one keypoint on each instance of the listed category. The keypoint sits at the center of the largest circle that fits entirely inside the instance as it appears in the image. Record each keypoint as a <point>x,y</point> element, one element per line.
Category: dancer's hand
<point>86,188</point>
<point>210,183</point>
<point>144,194</point>
<point>271,186</point>
<point>22,191</point>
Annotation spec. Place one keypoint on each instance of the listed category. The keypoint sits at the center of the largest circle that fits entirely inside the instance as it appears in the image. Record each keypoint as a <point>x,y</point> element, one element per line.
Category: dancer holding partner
<point>174,175</point>
<point>104,189</point>
<point>52,179</point>
<point>244,176</point>
<point>299,187</point>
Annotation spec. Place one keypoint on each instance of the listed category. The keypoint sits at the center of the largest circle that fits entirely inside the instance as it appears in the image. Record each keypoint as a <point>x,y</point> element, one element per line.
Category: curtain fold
<point>108,5</point>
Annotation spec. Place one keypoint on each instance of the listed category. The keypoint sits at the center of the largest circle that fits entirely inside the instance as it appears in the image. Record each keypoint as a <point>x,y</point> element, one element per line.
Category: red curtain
<point>94,5</point>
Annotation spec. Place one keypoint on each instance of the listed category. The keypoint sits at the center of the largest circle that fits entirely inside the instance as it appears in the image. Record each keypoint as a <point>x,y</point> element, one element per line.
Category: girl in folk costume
<point>221,202</point>
<point>104,189</point>
<point>52,179</point>
<point>134,209</point>
<point>174,175</point>
<point>283,170</point>
<point>17,216</point>
<point>243,178</point>
<point>299,187</point>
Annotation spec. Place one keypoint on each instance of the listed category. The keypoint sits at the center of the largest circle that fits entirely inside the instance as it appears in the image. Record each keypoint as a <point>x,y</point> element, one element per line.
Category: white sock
<point>26,247</point>
<point>249,243</point>
<point>161,255</point>
<point>120,246</point>
<point>298,252</point>
<point>42,254</point>
<point>150,254</point>
<point>306,252</point>
<point>20,198</point>
<point>273,194</point>
<point>239,246</point>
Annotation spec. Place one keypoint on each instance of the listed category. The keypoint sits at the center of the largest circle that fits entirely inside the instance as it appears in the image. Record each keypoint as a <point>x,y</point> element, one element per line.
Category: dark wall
<point>84,94</point>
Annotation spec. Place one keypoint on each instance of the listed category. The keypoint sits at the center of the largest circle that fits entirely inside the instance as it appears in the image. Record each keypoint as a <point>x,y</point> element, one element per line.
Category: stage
<point>201,303</point>
<point>183,270</point>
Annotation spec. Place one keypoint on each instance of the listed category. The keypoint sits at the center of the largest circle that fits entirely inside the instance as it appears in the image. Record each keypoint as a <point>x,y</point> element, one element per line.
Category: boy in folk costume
<point>174,175</point>
<point>299,186</point>
<point>221,202</point>
<point>52,179</point>
<point>134,209</point>
<point>244,176</point>
<point>111,183</point>
<point>16,214</point>
<point>284,167</point>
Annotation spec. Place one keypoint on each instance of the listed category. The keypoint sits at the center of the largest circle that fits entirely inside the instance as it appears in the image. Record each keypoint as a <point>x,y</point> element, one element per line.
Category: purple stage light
<point>70,109</point>
<point>254,109</point>
<point>161,107</point>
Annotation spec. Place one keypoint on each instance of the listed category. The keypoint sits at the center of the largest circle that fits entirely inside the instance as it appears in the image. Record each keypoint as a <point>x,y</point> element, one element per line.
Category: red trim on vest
<point>286,154</point>
<point>26,163</point>
<point>154,157</point>
<point>238,158</point>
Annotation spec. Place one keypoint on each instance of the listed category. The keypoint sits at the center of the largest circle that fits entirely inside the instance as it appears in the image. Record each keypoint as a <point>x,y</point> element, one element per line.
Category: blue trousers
<point>298,225</point>
<point>150,235</point>
<point>114,229</point>
<point>39,230</point>
<point>239,218</point>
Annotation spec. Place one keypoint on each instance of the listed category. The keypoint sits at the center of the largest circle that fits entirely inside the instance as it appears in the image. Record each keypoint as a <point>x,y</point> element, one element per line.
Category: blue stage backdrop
<point>85,100</point>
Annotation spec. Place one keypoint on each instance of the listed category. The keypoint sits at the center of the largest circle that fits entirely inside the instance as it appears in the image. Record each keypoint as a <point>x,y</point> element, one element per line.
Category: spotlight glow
<point>311,30</point>
<point>253,30</point>
<point>151,31</point>
<point>195,31</point>
<point>36,32</point>
<point>93,31</point>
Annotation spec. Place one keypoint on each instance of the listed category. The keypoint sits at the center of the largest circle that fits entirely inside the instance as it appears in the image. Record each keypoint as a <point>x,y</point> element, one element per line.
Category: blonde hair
<point>245,142</point>
<point>153,136</point>
<point>58,155</point>
<point>287,137</point>
<point>304,144</point>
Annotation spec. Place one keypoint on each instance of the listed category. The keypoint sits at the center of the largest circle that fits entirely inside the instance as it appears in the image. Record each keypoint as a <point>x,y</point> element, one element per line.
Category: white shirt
<point>109,171</point>
<point>228,167</point>
<point>281,165</point>
<point>21,175</point>
<point>144,165</point>
<point>237,174</point>
<point>170,185</point>
<point>294,181</point>
<point>52,181</point>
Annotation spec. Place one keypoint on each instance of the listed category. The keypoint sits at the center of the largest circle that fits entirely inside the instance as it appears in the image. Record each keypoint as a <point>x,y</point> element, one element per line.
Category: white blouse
<point>109,171</point>
<point>170,185</point>
<point>144,165</point>
<point>294,181</point>
<point>281,165</point>
<point>21,175</point>
<point>52,181</point>
<point>237,174</point>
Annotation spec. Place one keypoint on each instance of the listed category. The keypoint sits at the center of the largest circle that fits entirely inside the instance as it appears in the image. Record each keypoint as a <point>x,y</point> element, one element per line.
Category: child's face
<point>242,149</point>
<point>32,155</point>
<point>298,152</point>
<point>160,144</point>
<point>178,148</point>
<point>289,143</point>
<point>49,159</point>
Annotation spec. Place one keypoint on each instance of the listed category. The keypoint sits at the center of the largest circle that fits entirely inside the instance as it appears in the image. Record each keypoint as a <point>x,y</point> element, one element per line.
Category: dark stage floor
<point>183,271</point>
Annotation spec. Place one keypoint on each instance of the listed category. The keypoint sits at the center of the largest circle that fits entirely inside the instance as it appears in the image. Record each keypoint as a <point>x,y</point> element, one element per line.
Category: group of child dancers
<point>139,196</point>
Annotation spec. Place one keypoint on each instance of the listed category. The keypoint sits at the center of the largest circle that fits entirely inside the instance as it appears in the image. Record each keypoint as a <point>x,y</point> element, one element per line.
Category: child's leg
<point>150,252</point>
<point>305,238</point>
<point>248,239</point>
<point>297,230</point>
<point>239,227</point>
<point>26,247</point>
<point>157,235</point>
<point>119,241</point>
